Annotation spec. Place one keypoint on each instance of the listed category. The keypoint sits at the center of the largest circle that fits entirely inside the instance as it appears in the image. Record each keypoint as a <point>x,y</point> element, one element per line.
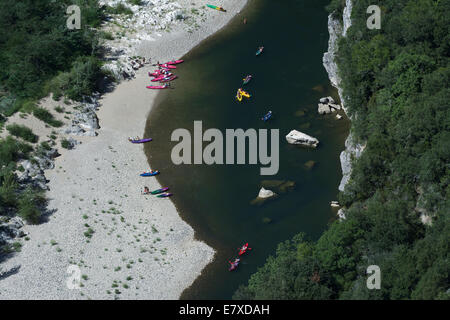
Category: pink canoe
<point>167,66</point>
<point>162,77</point>
<point>175,62</point>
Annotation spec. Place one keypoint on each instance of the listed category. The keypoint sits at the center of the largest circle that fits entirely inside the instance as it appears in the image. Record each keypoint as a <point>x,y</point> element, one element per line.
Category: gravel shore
<point>126,245</point>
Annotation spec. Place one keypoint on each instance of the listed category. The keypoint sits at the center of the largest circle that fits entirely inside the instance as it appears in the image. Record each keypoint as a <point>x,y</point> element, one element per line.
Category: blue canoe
<point>149,174</point>
<point>267,116</point>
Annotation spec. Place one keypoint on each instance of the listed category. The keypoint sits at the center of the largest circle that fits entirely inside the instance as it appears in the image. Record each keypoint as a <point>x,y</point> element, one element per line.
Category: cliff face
<point>338,29</point>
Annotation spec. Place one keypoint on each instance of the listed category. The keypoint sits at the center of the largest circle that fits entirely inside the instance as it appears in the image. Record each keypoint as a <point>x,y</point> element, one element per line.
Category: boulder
<point>326,100</point>
<point>338,116</point>
<point>263,196</point>
<point>324,108</point>
<point>334,106</point>
<point>264,193</point>
<point>297,137</point>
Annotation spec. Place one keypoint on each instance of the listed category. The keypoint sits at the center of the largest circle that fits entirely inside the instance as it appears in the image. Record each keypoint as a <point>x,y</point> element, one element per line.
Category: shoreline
<point>137,244</point>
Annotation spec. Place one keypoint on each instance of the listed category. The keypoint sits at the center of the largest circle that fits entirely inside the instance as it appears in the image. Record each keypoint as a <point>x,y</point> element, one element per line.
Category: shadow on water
<point>289,78</point>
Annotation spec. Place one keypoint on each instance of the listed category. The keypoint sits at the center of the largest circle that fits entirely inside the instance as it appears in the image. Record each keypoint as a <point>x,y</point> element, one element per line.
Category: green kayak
<point>216,7</point>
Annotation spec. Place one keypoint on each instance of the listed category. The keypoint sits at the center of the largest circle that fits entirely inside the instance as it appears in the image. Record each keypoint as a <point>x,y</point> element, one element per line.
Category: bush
<point>28,206</point>
<point>66,144</point>
<point>44,115</point>
<point>22,132</point>
<point>119,8</point>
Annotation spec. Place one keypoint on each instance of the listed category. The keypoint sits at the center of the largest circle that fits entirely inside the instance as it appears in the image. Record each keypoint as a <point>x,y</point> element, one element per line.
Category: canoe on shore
<point>140,140</point>
<point>175,62</point>
<point>219,8</point>
<point>167,79</point>
<point>159,87</point>
<point>164,195</point>
<point>158,191</point>
<point>149,174</point>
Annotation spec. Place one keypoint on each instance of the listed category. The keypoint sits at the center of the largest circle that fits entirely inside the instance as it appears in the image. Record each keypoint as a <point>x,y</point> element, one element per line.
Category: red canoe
<point>244,249</point>
<point>168,79</point>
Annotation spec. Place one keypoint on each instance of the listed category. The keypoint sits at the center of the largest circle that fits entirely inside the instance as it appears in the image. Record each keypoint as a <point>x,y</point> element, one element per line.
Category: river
<point>289,79</point>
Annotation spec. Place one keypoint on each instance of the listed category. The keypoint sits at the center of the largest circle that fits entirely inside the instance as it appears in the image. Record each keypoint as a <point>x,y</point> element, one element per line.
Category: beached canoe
<point>216,7</point>
<point>267,116</point>
<point>163,77</point>
<point>149,174</point>
<point>247,79</point>
<point>175,62</point>
<point>140,140</point>
<point>164,195</point>
<point>167,66</point>
<point>158,191</point>
<point>259,51</point>
<point>158,87</point>
<point>167,79</point>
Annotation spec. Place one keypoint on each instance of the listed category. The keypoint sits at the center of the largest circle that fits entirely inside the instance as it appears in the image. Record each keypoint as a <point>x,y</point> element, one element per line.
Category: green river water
<point>289,79</point>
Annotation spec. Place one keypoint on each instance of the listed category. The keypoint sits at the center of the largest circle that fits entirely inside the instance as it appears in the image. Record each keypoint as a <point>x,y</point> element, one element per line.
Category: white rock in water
<point>338,116</point>
<point>335,204</point>
<point>327,100</point>
<point>323,108</point>
<point>264,194</point>
<point>334,106</point>
<point>297,137</point>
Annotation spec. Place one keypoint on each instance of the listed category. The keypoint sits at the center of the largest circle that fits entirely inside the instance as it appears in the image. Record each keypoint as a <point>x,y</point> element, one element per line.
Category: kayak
<point>167,79</point>
<point>234,264</point>
<point>247,79</point>
<point>244,249</point>
<point>239,95</point>
<point>158,73</point>
<point>159,190</point>
<point>259,51</point>
<point>164,195</point>
<point>216,7</point>
<point>167,66</point>
<point>162,77</point>
<point>267,116</point>
<point>149,174</point>
<point>140,140</point>
<point>175,62</point>
<point>158,87</point>
<point>245,94</point>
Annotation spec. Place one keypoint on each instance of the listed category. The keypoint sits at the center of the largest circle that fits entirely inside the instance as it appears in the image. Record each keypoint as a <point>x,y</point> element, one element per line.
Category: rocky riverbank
<point>337,29</point>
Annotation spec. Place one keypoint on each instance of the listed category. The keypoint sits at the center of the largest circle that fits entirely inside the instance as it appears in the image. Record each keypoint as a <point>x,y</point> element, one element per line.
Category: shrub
<point>28,205</point>
<point>44,115</point>
<point>22,132</point>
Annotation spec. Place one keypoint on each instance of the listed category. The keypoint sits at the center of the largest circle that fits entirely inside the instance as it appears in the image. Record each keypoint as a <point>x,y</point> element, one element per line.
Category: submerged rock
<point>310,164</point>
<point>297,137</point>
<point>280,186</point>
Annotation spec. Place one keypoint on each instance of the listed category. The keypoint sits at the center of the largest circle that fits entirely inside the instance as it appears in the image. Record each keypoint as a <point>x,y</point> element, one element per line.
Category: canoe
<point>141,140</point>
<point>167,66</point>
<point>162,77</point>
<point>158,87</point>
<point>149,174</point>
<point>267,116</point>
<point>167,79</point>
<point>175,62</point>
<point>259,51</point>
<point>247,79</point>
<point>244,249</point>
<point>234,264</point>
<point>216,7</point>
<point>164,195</point>
<point>239,96</point>
<point>159,190</point>
<point>245,94</point>
<point>158,73</point>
